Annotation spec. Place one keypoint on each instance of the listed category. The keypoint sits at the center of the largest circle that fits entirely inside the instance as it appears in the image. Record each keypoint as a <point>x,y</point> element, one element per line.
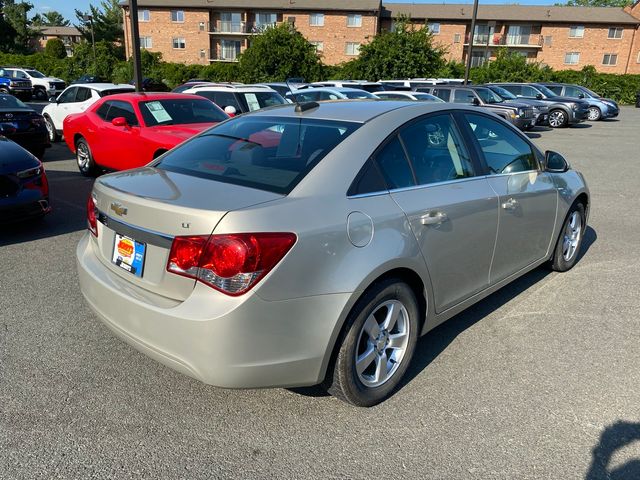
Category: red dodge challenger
<point>129,130</point>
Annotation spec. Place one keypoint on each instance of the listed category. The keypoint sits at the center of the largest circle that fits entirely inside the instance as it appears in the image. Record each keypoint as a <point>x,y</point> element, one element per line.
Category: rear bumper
<point>29,204</point>
<point>33,141</point>
<point>233,342</point>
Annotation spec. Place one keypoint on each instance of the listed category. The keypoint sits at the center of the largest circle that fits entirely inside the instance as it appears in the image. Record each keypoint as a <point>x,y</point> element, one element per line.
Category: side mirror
<point>554,162</point>
<point>230,110</point>
<point>581,95</point>
<point>539,96</point>
<point>475,101</point>
<point>119,122</point>
<point>53,100</point>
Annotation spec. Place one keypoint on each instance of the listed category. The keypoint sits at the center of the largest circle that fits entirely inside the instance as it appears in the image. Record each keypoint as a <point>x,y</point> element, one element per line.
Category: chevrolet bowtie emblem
<point>118,209</point>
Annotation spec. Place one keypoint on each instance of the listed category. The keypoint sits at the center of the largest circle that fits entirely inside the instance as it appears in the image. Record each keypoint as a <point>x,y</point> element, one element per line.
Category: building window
<point>354,20</point>
<point>615,32</point>
<point>316,19</point>
<point>178,42</point>
<point>576,31</point>
<point>144,15</point>
<point>229,50</point>
<point>352,48</point>
<point>610,59</point>
<point>319,46</point>
<point>457,38</point>
<point>572,58</point>
<point>548,39</point>
<point>146,42</point>
<point>265,20</point>
<point>434,28</point>
<point>177,16</point>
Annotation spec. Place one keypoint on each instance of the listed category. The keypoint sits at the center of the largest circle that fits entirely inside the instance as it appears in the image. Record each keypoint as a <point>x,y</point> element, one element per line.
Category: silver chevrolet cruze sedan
<point>314,243</point>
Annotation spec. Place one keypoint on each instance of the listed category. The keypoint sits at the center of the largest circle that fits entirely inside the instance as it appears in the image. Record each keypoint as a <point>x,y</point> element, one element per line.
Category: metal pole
<point>135,44</point>
<point>93,43</point>
<point>473,32</point>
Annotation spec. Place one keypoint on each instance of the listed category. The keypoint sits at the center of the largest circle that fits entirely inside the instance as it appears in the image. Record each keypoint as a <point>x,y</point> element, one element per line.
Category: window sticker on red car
<point>158,112</point>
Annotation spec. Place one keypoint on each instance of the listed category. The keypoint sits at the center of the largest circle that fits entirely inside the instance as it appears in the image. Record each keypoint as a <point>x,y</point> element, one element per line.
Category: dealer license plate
<point>128,254</point>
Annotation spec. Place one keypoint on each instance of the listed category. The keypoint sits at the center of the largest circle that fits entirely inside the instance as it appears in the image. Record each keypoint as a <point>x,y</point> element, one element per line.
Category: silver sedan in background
<point>314,243</point>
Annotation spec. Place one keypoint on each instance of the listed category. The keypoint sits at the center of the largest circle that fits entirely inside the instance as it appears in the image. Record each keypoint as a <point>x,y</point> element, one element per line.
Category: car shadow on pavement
<point>612,439</point>
<point>582,125</point>
<point>68,193</point>
<point>533,135</point>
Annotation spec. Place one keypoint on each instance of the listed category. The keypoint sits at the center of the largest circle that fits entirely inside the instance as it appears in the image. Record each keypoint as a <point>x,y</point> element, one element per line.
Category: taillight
<point>232,263</point>
<point>92,217</point>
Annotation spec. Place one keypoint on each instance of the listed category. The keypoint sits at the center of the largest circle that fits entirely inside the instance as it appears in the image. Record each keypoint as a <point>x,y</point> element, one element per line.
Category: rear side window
<point>557,89</point>
<point>515,89</point>
<point>122,109</point>
<point>394,166</point>
<point>503,149</point>
<point>222,99</point>
<point>267,153</point>
<point>83,94</point>
<point>443,93</point>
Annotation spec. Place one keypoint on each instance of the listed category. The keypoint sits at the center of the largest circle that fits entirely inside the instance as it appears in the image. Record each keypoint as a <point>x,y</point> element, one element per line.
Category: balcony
<point>223,27</point>
<point>502,40</point>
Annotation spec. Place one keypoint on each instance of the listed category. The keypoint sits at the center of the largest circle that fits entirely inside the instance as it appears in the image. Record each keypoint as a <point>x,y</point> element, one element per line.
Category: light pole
<point>135,44</point>
<point>473,32</point>
<point>89,18</point>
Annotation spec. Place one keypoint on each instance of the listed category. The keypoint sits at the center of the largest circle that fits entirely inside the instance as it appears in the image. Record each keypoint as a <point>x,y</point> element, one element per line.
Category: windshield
<point>180,112</point>
<point>545,91</point>
<point>268,153</point>
<point>258,100</point>
<point>113,91</point>
<point>427,97</point>
<point>9,102</point>
<point>358,94</point>
<point>504,93</point>
<point>488,96</point>
<point>35,73</point>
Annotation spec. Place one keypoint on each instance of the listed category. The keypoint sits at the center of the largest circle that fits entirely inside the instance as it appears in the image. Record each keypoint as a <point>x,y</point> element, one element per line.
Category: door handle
<point>433,218</point>
<point>510,204</point>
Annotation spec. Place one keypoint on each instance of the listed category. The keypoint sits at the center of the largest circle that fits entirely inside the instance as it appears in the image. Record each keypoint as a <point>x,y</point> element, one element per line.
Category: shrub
<point>55,48</point>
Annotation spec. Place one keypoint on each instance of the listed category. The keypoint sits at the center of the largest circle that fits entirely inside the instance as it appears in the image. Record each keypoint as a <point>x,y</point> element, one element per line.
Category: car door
<point>61,109</point>
<point>121,145</point>
<point>527,195</point>
<point>464,96</point>
<point>451,211</point>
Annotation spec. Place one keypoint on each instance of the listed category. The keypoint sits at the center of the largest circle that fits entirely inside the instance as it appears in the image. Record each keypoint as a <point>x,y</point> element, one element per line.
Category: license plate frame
<point>129,254</point>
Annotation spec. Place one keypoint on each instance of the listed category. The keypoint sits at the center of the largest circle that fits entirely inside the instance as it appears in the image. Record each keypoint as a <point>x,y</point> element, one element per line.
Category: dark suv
<point>599,107</point>
<point>563,111</point>
<point>14,86</point>
<point>540,107</point>
<point>520,114</point>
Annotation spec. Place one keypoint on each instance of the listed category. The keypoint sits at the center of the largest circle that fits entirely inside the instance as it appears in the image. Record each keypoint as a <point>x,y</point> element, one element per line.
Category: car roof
<point>232,88</point>
<point>149,96</point>
<point>359,111</point>
<point>334,89</point>
<point>103,86</point>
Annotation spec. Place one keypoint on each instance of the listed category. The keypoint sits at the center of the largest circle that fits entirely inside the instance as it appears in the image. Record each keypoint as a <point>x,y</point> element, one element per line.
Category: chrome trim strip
<point>419,187</point>
<point>141,234</point>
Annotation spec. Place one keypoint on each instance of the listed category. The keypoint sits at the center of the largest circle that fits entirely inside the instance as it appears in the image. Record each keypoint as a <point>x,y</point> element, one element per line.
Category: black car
<point>24,189</point>
<point>89,79</point>
<point>23,125</point>
<point>152,85</point>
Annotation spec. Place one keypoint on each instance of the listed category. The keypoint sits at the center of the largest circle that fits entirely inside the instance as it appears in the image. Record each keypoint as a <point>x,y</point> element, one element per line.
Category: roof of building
<point>60,31</point>
<point>349,5</point>
<point>514,13</point>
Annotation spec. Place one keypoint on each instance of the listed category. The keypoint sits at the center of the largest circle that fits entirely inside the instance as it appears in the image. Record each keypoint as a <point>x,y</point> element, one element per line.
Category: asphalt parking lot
<point>541,380</point>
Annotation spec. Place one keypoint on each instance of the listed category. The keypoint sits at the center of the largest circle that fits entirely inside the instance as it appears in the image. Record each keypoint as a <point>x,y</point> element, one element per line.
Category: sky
<point>66,7</point>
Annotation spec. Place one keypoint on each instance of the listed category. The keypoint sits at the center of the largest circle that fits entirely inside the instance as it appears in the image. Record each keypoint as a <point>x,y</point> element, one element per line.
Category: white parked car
<point>76,99</point>
<point>372,87</point>
<point>329,93</point>
<point>237,99</point>
<point>402,95</point>
<point>43,86</point>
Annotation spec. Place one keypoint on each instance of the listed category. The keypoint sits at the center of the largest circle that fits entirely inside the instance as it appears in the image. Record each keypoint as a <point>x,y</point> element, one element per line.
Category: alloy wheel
<point>82,156</point>
<point>382,343</point>
<point>50,129</point>
<point>557,119</point>
<point>572,235</point>
<point>594,114</point>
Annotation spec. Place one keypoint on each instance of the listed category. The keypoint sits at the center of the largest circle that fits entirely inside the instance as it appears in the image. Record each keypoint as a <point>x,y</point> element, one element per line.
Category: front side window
<point>68,96</point>
<point>442,93</point>
<point>576,31</point>
<point>352,48</point>
<point>354,20</point>
<point>573,92</point>
<point>177,15</point>
<point>122,109</point>
<point>488,96</point>
<point>531,92</point>
<point>316,19</point>
<point>503,92</point>
<point>144,15</point>
<point>180,112</point>
<point>610,59</point>
<point>503,149</point>
<point>267,153</point>
<point>434,28</point>
<point>572,58</point>
<point>615,32</point>
<point>436,150</point>
<point>178,42</point>
<point>222,99</point>
<point>103,110</point>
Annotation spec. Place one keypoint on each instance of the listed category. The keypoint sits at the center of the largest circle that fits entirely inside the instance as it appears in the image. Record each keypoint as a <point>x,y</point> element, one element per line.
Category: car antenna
<point>300,107</point>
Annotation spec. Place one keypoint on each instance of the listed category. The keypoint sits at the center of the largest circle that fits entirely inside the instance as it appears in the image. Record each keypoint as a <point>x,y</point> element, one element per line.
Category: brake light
<point>232,263</point>
<point>92,218</point>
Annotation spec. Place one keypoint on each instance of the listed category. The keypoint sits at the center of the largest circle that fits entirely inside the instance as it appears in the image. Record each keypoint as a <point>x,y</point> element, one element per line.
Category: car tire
<point>84,159</point>
<point>569,241</point>
<point>385,315</point>
<point>4,90</point>
<point>594,114</point>
<point>51,129</point>
<point>558,118</point>
<point>40,93</point>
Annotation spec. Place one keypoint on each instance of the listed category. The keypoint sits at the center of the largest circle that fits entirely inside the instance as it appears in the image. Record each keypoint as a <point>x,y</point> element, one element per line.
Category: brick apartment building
<point>205,31</point>
<point>69,36</point>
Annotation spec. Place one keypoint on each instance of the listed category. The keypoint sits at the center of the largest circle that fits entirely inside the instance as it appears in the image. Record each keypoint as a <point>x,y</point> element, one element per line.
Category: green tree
<point>107,57</point>
<point>55,48</point>
<point>49,19</point>
<point>16,15</point>
<point>598,3</point>
<point>405,52</point>
<point>278,53</point>
<point>106,20</point>
<point>509,66</point>
<point>7,32</point>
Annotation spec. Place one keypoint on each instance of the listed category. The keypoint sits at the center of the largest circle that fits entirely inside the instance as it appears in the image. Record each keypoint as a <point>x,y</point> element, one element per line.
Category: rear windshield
<point>268,153</point>
<point>114,91</point>
<point>180,112</point>
<point>258,100</point>
<point>10,102</point>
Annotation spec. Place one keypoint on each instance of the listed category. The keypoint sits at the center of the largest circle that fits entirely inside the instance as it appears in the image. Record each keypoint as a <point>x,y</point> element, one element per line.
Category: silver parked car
<point>314,243</point>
